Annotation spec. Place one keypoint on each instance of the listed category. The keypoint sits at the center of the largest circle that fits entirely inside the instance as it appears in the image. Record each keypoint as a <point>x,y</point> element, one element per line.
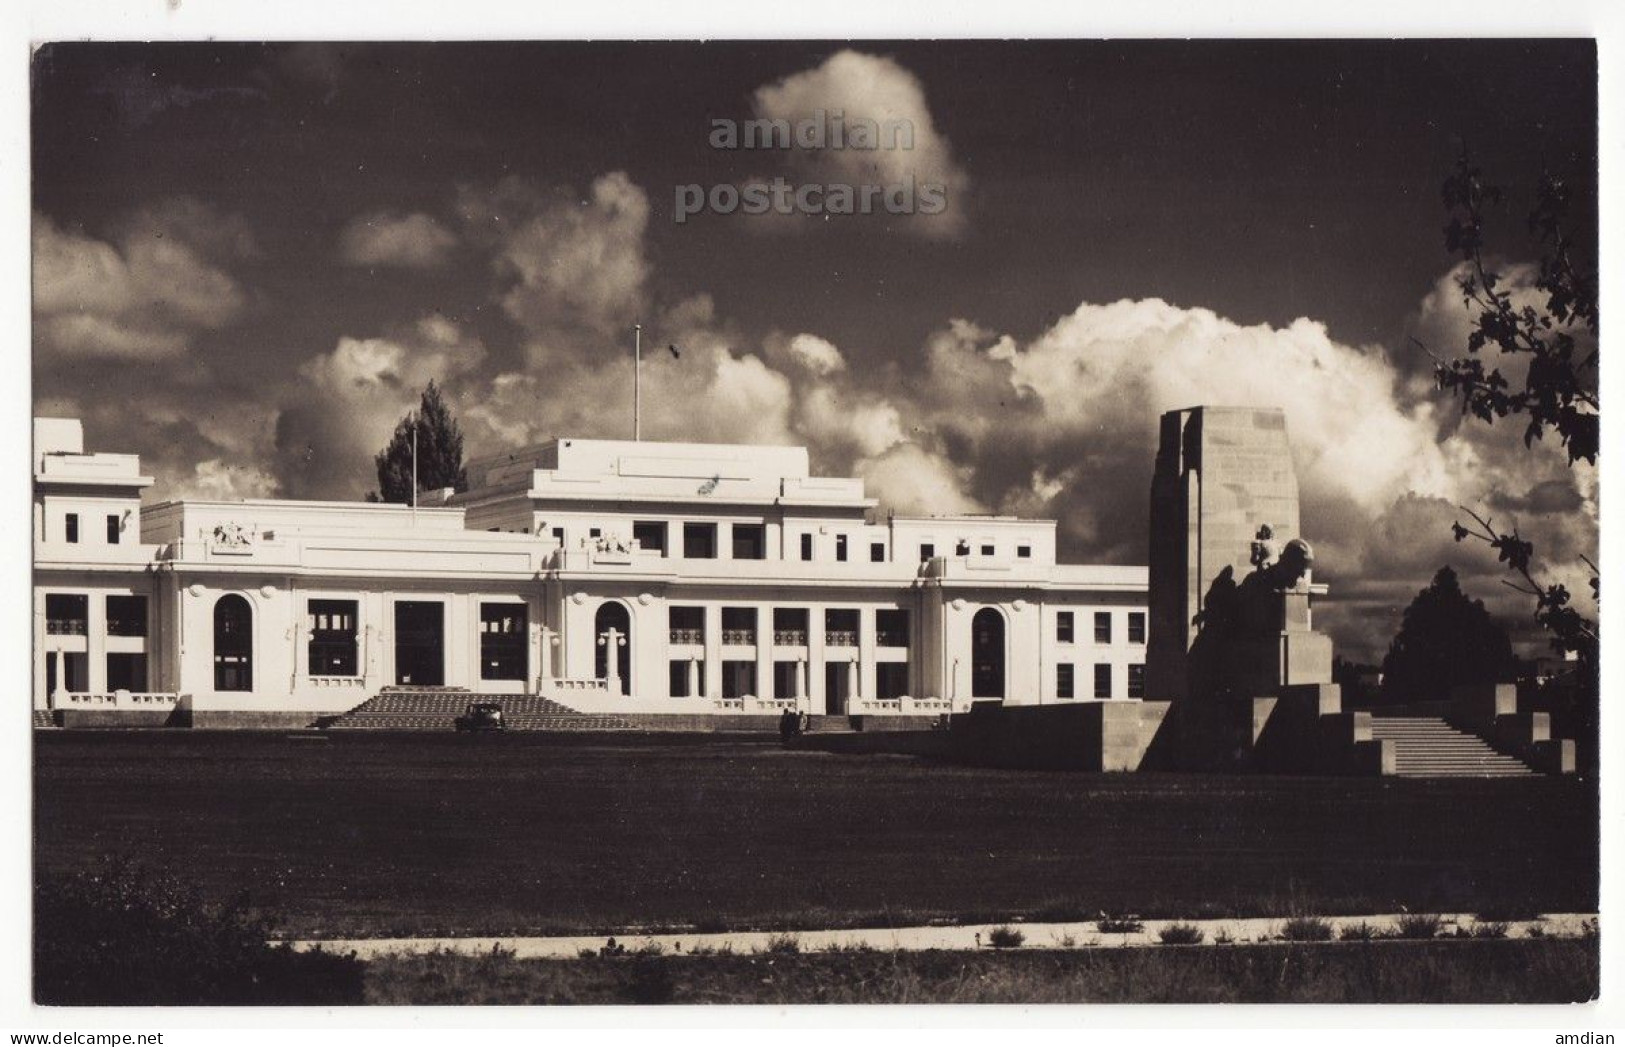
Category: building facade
<point>614,576</point>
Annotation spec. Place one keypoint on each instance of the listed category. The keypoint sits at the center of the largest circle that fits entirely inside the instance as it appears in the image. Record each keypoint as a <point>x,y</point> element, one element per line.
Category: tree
<point>1559,393</point>
<point>439,452</point>
<point>1445,639</point>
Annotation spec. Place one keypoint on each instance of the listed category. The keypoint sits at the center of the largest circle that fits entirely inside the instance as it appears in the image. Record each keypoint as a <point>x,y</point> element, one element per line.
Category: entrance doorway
<point>987,654</point>
<point>420,643</point>
<point>836,692</point>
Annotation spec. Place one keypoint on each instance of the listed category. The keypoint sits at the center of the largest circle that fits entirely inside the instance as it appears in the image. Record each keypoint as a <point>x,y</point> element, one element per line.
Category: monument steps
<point>1428,747</point>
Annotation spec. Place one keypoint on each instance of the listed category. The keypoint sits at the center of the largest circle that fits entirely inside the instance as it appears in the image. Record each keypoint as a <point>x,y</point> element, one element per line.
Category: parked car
<point>482,716</point>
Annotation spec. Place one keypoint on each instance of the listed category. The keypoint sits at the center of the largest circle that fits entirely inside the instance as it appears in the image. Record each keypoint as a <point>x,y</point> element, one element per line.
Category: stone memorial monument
<point>1230,576</point>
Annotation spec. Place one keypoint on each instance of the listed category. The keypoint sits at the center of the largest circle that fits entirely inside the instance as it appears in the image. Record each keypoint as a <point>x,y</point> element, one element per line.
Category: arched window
<point>613,615</point>
<point>233,644</point>
<point>987,654</point>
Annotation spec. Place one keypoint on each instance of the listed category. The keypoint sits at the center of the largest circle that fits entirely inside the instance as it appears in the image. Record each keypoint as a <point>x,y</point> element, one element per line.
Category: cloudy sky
<point>248,260</point>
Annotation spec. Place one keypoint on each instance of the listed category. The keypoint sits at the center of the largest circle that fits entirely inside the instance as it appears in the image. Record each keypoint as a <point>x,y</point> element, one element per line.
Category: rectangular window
<point>987,550</point>
<point>333,631</point>
<point>806,547</point>
<point>891,627</point>
<point>558,535</point>
<point>1063,627</point>
<point>891,681</point>
<point>66,614</point>
<point>1064,687</point>
<point>1136,627</point>
<point>739,625</point>
<point>790,626</point>
<point>961,548</point>
<point>749,541</point>
<point>784,679</point>
<point>1136,681</point>
<point>877,552</point>
<point>595,532</point>
<point>126,616</point>
<point>1024,552</point>
<point>680,680</point>
<point>700,541</point>
<point>841,628</point>
<point>76,672</point>
<point>126,672</point>
<point>928,551</point>
<point>1103,680</point>
<point>113,529</point>
<point>504,641</point>
<point>650,536</point>
<point>738,679</point>
<point>73,528</point>
<point>1103,627</point>
<point>687,624</point>
<point>840,547</point>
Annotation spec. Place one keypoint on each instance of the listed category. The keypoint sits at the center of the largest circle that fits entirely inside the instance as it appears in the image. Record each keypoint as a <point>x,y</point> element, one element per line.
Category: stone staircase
<point>1428,747</point>
<point>42,718</point>
<point>437,709</point>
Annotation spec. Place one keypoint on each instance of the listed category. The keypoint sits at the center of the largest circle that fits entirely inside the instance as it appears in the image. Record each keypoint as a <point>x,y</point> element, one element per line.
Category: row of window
<point>1066,681</point>
<point>126,671</point>
<point>115,528</point>
<point>749,542</point>
<point>790,626</point>
<point>68,614</point>
<point>739,680</point>
<point>1065,631</point>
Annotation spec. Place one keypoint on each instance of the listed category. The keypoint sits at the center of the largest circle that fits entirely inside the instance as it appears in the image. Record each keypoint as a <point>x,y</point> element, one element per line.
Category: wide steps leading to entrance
<point>412,709</point>
<point>1426,747</point>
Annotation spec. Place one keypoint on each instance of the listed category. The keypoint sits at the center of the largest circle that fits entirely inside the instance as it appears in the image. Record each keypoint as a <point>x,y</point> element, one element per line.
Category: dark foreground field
<point>438,834</point>
<point>1377,972</point>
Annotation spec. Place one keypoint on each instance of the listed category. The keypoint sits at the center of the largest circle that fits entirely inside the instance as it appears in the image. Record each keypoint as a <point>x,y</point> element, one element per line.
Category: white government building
<point>610,576</point>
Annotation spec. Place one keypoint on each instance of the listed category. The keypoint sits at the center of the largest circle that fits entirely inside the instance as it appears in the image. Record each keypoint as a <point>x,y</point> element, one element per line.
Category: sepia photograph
<point>814,521</point>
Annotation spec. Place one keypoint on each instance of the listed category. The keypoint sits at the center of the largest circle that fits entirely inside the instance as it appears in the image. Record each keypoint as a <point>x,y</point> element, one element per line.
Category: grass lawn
<point>372,835</point>
<point>1379,972</point>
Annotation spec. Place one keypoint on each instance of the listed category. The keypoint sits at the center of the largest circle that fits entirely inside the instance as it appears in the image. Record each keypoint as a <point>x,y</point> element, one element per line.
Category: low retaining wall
<point>1491,712</point>
<point>105,719</point>
<point>1077,736</point>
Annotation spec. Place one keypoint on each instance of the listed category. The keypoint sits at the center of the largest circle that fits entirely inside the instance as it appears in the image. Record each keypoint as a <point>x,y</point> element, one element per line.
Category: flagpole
<point>414,470</point>
<point>637,382</point>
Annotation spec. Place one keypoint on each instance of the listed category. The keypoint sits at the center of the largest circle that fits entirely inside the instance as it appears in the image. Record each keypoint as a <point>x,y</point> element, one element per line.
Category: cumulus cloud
<point>219,480</point>
<point>145,294</point>
<point>349,400</point>
<point>412,241</point>
<point>573,268</point>
<point>860,86</point>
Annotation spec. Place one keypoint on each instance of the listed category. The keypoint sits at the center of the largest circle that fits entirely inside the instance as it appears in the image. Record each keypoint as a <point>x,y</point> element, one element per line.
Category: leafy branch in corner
<point>1560,386</point>
<point>1571,631</point>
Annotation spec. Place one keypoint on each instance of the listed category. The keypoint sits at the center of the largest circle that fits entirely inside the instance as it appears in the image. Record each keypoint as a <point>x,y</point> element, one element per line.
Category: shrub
<point>649,981</point>
<point>1416,925</point>
<point>784,944</point>
<point>1005,937</point>
<point>1065,941</point>
<point>1358,932</point>
<point>1182,934</point>
<point>122,935</point>
<point>1119,925</point>
<point>1307,929</point>
<point>1223,937</point>
<point>1535,930</point>
<point>1490,929</point>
